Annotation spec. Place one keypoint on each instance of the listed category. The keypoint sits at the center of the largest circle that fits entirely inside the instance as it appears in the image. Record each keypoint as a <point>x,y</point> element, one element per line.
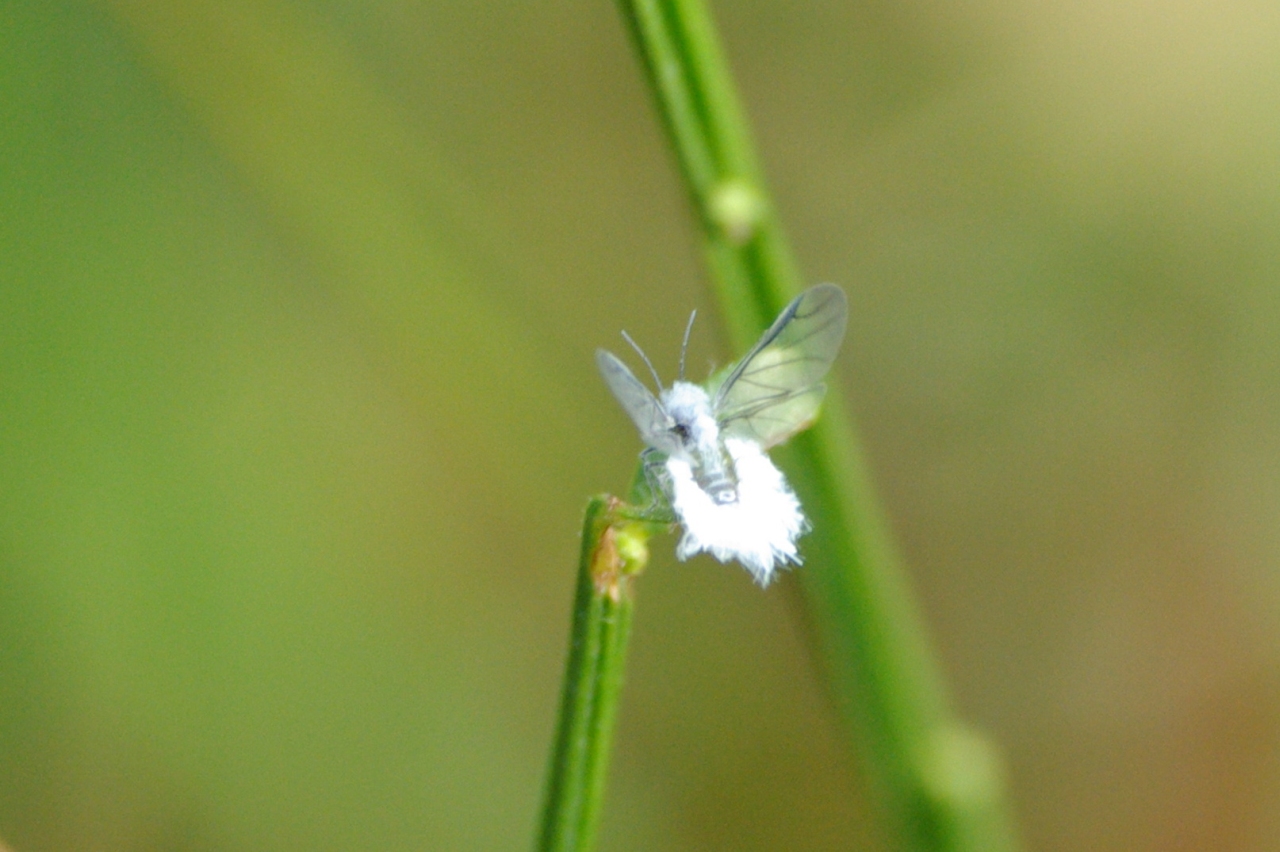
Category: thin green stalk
<point>613,552</point>
<point>940,783</point>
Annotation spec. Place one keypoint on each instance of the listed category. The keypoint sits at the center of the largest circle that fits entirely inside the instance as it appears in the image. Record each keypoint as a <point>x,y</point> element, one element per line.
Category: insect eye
<point>681,430</point>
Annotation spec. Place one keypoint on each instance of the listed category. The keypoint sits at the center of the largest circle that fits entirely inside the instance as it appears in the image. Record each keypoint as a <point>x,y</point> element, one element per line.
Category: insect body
<point>713,438</point>
<point>697,435</point>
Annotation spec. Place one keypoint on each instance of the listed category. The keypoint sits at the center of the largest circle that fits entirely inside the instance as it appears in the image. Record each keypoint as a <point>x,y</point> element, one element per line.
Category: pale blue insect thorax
<point>696,428</point>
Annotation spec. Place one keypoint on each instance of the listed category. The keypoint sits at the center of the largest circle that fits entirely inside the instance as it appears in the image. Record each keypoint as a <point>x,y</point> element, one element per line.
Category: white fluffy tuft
<point>759,530</point>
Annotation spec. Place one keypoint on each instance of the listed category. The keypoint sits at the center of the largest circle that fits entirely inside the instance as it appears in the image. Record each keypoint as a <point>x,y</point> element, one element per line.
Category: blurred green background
<point>298,414</point>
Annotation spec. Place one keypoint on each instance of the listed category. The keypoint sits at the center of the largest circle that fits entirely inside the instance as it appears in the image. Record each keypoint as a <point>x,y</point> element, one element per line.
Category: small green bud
<point>633,547</point>
<point>962,769</point>
<point>737,208</point>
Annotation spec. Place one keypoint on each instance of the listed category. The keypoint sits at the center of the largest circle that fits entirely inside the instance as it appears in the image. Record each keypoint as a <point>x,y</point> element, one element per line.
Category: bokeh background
<point>298,413</point>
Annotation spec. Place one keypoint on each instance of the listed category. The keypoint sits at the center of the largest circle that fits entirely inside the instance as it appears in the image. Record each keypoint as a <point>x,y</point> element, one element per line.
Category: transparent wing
<point>772,421</point>
<point>775,390</point>
<point>641,406</point>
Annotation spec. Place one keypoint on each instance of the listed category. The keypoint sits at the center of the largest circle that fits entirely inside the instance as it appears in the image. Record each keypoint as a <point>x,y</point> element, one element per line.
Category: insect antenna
<point>684,347</point>
<point>643,357</point>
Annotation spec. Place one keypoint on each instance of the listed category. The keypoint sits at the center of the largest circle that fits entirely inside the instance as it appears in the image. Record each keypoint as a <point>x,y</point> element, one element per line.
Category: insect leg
<point>657,480</point>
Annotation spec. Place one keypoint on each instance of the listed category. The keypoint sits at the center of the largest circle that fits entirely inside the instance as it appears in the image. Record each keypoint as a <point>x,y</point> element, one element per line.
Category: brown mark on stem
<point>606,565</point>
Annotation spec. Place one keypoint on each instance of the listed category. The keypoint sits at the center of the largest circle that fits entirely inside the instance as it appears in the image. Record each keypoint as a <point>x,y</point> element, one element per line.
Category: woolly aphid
<point>708,444</point>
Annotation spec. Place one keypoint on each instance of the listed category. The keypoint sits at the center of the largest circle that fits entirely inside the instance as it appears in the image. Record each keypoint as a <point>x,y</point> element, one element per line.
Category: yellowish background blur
<point>298,412</point>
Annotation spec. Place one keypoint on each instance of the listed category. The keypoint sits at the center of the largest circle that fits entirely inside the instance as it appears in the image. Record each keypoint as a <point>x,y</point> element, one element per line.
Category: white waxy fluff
<point>759,529</point>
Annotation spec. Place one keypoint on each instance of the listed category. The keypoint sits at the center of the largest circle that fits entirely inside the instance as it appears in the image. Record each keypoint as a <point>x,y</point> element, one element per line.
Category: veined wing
<point>641,406</point>
<point>775,390</point>
<point>774,420</point>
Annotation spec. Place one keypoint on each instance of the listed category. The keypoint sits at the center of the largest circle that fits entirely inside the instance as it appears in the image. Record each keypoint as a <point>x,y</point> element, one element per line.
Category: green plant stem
<point>612,553</point>
<point>940,783</point>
